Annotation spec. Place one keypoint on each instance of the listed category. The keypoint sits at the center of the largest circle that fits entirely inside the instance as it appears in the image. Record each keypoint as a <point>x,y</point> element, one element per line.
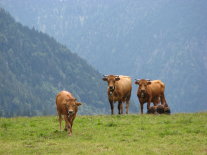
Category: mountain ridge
<point>34,67</point>
<point>162,39</point>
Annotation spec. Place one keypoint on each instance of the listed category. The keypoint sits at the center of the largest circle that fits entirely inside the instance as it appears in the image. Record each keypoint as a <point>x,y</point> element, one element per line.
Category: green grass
<point>119,135</point>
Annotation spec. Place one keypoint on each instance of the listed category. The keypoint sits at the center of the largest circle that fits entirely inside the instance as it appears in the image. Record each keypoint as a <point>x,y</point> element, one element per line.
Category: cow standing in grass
<point>67,105</point>
<point>119,89</point>
<point>151,91</point>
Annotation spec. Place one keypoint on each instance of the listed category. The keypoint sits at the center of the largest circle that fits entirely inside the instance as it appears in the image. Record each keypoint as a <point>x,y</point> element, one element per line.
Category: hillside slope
<point>34,67</point>
<point>92,135</point>
<point>160,39</point>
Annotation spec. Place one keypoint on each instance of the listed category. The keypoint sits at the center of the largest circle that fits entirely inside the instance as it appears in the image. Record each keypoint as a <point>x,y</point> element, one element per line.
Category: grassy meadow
<point>105,134</point>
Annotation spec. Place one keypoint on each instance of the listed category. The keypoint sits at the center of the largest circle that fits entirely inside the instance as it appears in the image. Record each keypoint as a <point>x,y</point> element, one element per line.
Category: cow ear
<point>136,82</point>
<point>104,78</point>
<point>78,103</point>
<point>148,82</point>
<point>117,78</point>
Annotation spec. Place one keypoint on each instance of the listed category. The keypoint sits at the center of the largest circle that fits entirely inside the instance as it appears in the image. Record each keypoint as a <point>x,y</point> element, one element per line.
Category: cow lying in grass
<point>67,105</point>
<point>160,109</point>
<point>163,110</point>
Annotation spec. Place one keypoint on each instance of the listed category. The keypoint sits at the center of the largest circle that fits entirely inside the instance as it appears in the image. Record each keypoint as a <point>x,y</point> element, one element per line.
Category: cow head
<point>111,79</point>
<point>142,90</point>
<point>71,106</point>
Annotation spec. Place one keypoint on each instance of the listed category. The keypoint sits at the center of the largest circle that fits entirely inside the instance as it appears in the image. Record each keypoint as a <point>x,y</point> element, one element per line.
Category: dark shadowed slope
<point>34,67</point>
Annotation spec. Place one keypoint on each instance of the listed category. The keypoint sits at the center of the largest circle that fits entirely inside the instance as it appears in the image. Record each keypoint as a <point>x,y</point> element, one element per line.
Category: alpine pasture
<point>106,134</point>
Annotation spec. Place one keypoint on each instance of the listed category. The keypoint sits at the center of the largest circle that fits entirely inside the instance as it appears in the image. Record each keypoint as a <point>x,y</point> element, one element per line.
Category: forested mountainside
<point>162,39</point>
<point>34,68</point>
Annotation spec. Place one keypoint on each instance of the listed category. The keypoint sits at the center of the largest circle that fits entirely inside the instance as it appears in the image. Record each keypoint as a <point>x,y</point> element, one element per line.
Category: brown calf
<point>163,110</point>
<point>160,109</point>
<point>67,105</point>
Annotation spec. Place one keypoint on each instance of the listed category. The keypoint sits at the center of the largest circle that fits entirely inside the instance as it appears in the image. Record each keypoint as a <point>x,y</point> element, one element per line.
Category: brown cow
<point>67,105</point>
<point>163,109</point>
<point>160,109</point>
<point>119,89</point>
<point>150,91</point>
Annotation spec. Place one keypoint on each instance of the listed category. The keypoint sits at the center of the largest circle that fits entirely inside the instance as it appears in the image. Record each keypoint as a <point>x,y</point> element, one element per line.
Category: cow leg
<point>112,107</point>
<point>65,127</point>
<point>120,107</point>
<point>60,120</point>
<point>119,104</point>
<point>127,106</point>
<point>66,122</point>
<point>141,106</point>
<point>148,105</point>
<point>71,121</point>
<point>156,101</point>
<point>163,101</point>
<point>68,125</point>
<point>128,102</point>
<point>155,106</point>
<point>69,129</point>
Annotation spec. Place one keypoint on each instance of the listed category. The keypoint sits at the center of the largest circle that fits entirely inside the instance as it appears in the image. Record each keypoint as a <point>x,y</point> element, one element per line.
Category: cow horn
<point>137,79</point>
<point>105,75</point>
<point>148,79</point>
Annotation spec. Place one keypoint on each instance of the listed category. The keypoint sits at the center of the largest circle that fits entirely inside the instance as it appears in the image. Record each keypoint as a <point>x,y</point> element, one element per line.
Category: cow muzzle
<point>111,90</point>
<point>142,94</point>
<point>70,112</point>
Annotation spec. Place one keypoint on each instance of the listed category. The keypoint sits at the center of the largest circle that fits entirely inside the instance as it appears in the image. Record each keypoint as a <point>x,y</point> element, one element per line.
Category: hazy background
<point>162,39</point>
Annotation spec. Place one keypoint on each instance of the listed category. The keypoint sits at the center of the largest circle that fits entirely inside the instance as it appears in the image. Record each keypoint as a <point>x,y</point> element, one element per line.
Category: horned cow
<point>119,90</point>
<point>67,105</point>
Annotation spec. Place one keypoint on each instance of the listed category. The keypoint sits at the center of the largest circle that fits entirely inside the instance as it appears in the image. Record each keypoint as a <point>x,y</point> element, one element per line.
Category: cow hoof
<point>70,134</point>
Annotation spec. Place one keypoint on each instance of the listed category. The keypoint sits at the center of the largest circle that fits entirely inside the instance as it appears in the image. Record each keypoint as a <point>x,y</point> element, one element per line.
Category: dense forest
<point>34,67</point>
<point>160,39</point>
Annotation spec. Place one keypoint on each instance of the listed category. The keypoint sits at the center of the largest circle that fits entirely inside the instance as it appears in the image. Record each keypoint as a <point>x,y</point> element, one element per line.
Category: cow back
<point>156,87</point>
<point>61,96</point>
<point>123,87</point>
<point>124,84</point>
